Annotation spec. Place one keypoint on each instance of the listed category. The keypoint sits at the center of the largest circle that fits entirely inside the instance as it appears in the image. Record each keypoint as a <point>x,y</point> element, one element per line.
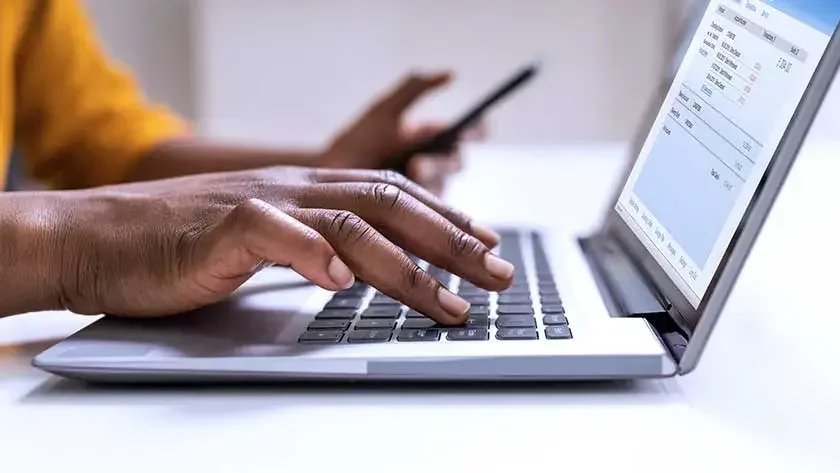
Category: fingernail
<point>497,267</point>
<point>452,304</point>
<point>340,273</point>
<point>487,235</point>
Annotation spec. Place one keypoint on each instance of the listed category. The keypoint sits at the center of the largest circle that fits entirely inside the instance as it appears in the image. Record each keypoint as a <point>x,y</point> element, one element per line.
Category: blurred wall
<point>154,38</point>
<point>284,71</point>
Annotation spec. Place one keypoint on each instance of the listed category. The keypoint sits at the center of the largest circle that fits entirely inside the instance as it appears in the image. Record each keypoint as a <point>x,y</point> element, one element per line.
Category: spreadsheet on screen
<point>734,94</point>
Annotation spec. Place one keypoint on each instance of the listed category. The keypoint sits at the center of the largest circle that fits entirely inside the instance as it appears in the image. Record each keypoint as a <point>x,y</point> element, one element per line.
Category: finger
<point>421,171</point>
<point>256,233</point>
<point>410,89</point>
<point>431,173</point>
<point>427,167</point>
<point>462,221</point>
<point>380,263</point>
<point>415,227</point>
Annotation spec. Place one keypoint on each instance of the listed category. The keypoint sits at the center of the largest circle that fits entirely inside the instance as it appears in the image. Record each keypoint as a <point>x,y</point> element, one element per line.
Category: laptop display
<point>735,92</point>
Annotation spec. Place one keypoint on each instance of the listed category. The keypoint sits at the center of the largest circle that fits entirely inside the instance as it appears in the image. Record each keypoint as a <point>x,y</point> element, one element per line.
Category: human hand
<point>164,247</point>
<point>381,133</point>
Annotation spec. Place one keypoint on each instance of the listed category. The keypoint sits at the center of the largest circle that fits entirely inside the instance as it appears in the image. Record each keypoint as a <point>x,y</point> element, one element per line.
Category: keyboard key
<point>413,314</point>
<point>369,336</point>
<point>384,301</point>
<point>472,322</point>
<point>325,337</point>
<point>468,290</point>
<point>515,310</point>
<point>414,324</point>
<point>336,315</point>
<point>555,319</point>
<point>482,310</point>
<point>516,321</point>
<point>517,334</point>
<point>542,284</point>
<point>421,335</point>
<point>548,292</point>
<point>381,313</point>
<point>558,332</point>
<point>520,286</point>
<point>477,300</point>
<point>553,309</point>
<point>344,303</point>
<point>550,300</point>
<point>507,299</point>
<point>467,334</point>
<point>375,323</point>
<point>329,325</point>
<point>357,290</point>
<point>477,322</point>
<point>517,291</point>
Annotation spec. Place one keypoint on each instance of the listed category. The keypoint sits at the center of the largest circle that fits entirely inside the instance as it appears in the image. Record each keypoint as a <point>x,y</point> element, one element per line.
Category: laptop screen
<point>738,86</point>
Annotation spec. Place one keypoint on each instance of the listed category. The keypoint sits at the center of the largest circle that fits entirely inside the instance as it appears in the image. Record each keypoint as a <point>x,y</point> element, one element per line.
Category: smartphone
<point>446,140</point>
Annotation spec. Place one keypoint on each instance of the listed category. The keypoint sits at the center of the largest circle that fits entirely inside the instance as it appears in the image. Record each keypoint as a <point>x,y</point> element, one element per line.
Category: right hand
<point>166,247</point>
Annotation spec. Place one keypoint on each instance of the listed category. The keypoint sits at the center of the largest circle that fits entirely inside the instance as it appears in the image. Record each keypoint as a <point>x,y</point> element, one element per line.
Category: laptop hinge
<point>626,291</point>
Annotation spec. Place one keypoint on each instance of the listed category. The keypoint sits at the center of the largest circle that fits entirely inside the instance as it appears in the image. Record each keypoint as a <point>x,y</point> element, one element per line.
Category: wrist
<point>30,252</point>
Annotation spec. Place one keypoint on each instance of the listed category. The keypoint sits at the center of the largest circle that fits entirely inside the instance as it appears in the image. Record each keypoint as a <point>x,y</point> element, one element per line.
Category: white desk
<point>765,397</point>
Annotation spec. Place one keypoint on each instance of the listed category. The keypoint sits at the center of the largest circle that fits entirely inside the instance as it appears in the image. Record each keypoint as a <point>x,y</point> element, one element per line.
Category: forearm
<point>29,245</point>
<point>195,156</point>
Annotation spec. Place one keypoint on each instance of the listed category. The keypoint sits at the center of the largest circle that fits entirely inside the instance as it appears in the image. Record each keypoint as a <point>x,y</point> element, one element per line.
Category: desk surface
<point>764,397</point>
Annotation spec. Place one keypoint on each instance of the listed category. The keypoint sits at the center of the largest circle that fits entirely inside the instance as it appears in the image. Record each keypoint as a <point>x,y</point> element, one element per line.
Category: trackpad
<point>254,320</point>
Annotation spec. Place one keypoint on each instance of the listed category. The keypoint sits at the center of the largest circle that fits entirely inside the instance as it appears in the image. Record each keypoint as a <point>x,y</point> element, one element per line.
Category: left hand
<point>380,132</point>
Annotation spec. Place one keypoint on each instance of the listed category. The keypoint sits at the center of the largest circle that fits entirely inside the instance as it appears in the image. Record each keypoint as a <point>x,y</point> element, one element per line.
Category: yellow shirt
<point>77,119</point>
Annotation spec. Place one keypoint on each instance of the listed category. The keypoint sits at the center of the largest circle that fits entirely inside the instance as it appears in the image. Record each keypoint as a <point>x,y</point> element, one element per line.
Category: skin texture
<point>169,246</point>
<point>199,219</point>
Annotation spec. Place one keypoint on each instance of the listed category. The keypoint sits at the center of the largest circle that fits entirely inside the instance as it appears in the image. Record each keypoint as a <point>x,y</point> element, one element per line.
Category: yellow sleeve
<point>80,120</point>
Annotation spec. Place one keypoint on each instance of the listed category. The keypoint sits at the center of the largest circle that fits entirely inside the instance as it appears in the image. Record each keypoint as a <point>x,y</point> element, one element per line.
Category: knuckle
<point>462,244</point>
<point>392,177</point>
<point>249,212</point>
<point>347,226</point>
<point>415,278</point>
<point>387,196</point>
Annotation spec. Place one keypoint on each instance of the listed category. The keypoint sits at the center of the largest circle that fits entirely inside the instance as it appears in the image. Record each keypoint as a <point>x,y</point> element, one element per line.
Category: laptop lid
<point>724,138</point>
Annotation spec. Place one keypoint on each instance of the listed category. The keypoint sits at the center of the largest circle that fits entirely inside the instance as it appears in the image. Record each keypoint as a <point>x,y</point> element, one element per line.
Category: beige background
<point>289,72</point>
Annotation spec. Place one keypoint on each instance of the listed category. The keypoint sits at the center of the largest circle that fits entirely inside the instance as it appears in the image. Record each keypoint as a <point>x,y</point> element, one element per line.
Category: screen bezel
<point>695,319</point>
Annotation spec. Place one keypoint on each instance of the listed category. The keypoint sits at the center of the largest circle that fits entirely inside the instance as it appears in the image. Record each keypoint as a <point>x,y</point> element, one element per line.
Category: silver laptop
<point>637,299</point>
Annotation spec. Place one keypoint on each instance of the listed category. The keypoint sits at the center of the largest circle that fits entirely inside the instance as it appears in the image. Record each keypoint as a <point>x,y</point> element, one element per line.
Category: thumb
<point>411,88</point>
<point>255,234</point>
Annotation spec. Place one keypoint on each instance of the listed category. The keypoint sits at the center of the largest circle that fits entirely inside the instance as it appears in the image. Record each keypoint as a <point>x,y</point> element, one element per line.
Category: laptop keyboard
<point>531,309</point>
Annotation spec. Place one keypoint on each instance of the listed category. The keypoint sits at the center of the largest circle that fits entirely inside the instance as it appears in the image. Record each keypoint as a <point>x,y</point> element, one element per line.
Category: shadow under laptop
<point>230,398</point>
